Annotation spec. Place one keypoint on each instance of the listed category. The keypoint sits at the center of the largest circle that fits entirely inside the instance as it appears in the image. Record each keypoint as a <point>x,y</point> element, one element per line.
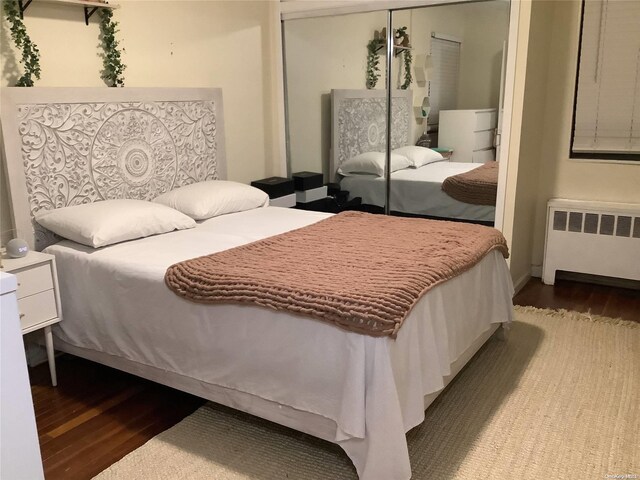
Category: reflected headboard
<point>68,146</point>
<point>358,123</point>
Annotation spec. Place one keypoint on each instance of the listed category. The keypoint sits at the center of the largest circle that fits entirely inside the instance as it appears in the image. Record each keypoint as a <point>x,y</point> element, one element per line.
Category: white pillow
<point>204,200</point>
<point>419,156</point>
<point>111,221</point>
<point>372,163</point>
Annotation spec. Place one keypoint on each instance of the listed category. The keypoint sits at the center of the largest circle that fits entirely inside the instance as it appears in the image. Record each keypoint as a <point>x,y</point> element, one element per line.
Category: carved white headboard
<point>358,123</point>
<point>67,146</point>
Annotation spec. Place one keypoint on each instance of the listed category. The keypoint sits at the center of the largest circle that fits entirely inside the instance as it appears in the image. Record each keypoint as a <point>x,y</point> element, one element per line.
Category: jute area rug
<point>559,400</point>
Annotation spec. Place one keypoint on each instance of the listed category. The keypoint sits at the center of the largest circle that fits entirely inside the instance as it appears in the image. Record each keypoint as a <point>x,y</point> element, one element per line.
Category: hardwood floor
<point>97,415</point>
<point>582,297</point>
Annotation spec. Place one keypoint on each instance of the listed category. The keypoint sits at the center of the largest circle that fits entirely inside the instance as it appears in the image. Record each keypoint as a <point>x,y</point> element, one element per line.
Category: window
<point>443,85</point>
<point>606,122</point>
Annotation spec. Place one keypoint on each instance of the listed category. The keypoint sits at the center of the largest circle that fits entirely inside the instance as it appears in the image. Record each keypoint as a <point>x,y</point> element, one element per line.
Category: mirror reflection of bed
<point>423,181</point>
<point>333,120</point>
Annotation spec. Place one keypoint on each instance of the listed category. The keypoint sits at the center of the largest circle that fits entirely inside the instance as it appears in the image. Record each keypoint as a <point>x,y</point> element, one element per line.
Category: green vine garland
<point>373,58</point>
<point>113,66</point>
<point>408,59</point>
<point>30,53</point>
<point>401,33</point>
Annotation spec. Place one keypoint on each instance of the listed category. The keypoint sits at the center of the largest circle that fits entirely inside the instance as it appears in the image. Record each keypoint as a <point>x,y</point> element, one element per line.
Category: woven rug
<point>559,400</point>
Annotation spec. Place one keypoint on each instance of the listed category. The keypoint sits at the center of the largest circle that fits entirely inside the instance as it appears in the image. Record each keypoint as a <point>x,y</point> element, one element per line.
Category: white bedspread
<point>115,301</point>
<point>419,191</point>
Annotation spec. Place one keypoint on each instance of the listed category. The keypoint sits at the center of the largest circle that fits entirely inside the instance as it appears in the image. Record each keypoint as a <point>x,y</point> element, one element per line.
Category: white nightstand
<point>38,297</point>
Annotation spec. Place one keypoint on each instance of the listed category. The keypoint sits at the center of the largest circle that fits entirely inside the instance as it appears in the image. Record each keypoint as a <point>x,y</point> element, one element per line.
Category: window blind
<point>443,82</point>
<point>607,109</point>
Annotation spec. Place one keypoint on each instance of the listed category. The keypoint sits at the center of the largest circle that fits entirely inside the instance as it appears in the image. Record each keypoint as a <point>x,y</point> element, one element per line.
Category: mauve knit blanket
<point>478,186</point>
<point>359,271</point>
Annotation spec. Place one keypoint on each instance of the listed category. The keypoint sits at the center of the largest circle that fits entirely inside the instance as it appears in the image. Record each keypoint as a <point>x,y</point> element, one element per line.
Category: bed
<point>358,125</point>
<point>361,392</point>
<point>418,191</point>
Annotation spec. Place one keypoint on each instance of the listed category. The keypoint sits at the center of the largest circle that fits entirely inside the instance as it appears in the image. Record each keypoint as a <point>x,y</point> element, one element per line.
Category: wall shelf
<point>90,7</point>
<point>396,49</point>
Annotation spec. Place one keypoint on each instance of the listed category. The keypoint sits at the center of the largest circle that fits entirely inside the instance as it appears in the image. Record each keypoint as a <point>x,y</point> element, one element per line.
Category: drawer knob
<point>22,315</point>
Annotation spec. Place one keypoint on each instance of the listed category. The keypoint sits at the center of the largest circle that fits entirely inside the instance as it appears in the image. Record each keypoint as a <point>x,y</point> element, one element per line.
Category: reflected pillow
<point>372,163</point>
<point>209,199</point>
<point>419,156</point>
<point>103,223</point>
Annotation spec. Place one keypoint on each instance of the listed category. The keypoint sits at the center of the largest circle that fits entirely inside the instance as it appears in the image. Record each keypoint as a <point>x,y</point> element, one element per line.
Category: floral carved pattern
<point>133,156</point>
<point>362,126</point>
<point>86,152</point>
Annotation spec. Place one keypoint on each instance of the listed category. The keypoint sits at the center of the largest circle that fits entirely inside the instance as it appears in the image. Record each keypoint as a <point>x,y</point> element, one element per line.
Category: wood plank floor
<point>97,415</point>
<point>582,297</point>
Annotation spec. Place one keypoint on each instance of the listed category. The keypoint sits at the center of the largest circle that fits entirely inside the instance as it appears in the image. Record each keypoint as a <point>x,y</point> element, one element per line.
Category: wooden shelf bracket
<point>23,6</point>
<point>88,13</point>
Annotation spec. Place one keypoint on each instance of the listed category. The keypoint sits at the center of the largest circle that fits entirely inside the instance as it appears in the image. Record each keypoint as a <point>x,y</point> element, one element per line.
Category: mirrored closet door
<point>445,96</point>
<point>335,125</point>
<point>450,60</point>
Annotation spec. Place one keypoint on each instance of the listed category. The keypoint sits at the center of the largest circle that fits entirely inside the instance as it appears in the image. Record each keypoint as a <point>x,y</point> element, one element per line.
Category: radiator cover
<point>596,238</point>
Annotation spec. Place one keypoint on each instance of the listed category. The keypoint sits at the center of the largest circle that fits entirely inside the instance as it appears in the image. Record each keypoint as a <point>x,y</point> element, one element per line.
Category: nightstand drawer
<point>34,280</point>
<point>37,308</point>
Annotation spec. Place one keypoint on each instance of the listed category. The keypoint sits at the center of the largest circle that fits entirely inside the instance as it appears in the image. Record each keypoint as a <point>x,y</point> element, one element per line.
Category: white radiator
<point>592,237</point>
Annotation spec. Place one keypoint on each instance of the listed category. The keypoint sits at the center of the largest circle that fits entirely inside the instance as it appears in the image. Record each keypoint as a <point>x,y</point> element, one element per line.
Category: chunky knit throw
<point>478,186</point>
<point>360,271</point>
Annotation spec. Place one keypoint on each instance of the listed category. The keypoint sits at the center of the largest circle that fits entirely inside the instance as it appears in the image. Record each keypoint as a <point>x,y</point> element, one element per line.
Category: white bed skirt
<point>358,391</point>
<point>299,420</point>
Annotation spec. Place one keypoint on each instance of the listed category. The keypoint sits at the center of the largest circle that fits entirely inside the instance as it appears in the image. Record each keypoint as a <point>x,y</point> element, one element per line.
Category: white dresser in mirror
<point>469,133</point>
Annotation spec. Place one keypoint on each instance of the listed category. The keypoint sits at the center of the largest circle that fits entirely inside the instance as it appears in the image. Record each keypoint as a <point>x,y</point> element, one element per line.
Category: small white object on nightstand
<point>38,297</point>
<point>17,248</point>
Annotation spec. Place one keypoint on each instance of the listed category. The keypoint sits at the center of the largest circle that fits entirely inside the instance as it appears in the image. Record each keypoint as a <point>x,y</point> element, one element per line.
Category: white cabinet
<point>20,452</point>
<point>38,297</point>
<point>469,133</point>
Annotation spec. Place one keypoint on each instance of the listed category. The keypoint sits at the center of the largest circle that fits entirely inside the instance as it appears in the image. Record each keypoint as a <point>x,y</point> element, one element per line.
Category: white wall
<point>485,30</point>
<point>560,176</point>
<point>539,166</point>
<point>511,224</point>
<point>225,44</point>
<point>322,54</point>
<point>525,192</point>
<point>330,52</point>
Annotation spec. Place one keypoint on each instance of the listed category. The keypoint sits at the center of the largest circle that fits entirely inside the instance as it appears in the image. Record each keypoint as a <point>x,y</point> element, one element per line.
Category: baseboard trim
<point>536,271</point>
<point>521,282</point>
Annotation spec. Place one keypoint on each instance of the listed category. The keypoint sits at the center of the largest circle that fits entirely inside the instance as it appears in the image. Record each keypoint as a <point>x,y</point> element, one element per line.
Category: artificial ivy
<point>30,53</point>
<point>373,58</point>
<point>113,66</point>
<point>401,33</point>
<point>408,59</point>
